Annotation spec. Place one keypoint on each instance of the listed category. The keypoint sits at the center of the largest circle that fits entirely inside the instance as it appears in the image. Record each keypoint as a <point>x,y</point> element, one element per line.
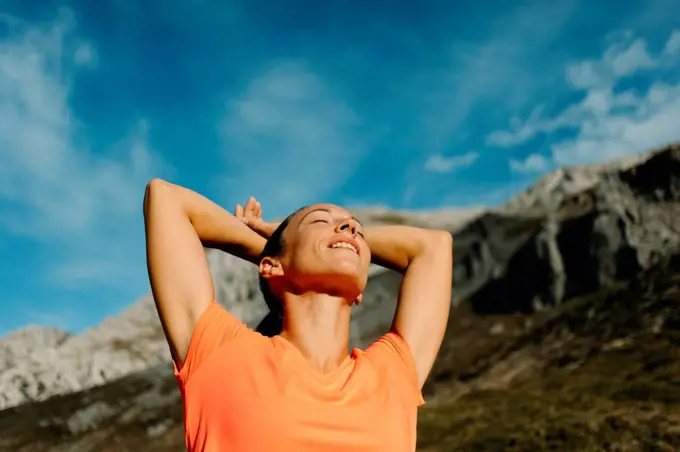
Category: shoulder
<point>218,334</point>
<point>391,354</point>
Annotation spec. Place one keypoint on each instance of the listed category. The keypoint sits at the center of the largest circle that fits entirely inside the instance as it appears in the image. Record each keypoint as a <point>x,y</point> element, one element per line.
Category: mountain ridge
<point>576,230</point>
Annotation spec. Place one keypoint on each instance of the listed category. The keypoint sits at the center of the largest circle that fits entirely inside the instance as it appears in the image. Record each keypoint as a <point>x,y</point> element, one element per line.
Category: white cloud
<point>673,44</point>
<point>582,75</point>
<point>439,164</point>
<point>608,123</point>
<point>498,71</point>
<point>289,139</point>
<point>85,55</point>
<point>650,122</point>
<point>625,60</point>
<point>534,163</point>
<point>85,208</point>
<point>622,58</point>
<point>522,132</point>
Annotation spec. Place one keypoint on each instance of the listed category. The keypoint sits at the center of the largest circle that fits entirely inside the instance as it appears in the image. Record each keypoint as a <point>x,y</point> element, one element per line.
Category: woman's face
<point>325,252</point>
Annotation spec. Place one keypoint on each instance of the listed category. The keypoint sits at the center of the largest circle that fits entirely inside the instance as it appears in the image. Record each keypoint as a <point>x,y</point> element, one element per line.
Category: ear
<point>270,268</point>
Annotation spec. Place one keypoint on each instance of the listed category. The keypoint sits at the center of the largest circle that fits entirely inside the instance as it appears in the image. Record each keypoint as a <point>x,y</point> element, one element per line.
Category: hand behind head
<point>251,215</point>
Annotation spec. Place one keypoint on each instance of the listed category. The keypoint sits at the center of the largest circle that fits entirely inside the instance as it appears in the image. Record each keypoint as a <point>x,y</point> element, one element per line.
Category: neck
<point>318,325</point>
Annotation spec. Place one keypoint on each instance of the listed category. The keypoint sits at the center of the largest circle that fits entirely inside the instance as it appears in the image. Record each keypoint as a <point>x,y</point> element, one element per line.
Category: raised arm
<point>179,223</point>
<point>425,257</point>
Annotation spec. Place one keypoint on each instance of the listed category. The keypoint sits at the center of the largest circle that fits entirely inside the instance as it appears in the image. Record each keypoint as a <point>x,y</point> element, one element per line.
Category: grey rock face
<point>29,342</point>
<point>577,237</point>
<point>576,230</point>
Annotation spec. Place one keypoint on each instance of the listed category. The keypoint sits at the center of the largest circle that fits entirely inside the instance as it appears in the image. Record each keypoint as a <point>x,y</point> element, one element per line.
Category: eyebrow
<point>323,209</point>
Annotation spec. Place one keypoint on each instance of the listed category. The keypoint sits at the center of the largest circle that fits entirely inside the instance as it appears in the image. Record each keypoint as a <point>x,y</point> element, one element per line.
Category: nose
<point>347,225</point>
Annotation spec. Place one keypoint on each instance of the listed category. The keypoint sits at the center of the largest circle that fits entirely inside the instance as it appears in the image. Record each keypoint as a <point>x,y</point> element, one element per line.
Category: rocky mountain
<point>596,373</point>
<point>37,363</point>
<point>577,231</point>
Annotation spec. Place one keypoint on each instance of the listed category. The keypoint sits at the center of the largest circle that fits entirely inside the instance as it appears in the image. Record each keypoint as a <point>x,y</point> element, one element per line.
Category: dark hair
<point>272,324</point>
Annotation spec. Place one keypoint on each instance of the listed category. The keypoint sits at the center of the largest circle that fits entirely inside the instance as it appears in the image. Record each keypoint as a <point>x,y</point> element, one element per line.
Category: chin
<point>346,276</point>
<point>350,270</point>
<point>351,283</point>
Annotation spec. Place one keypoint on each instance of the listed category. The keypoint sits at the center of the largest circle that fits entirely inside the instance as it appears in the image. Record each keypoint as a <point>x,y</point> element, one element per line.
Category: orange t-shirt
<point>244,392</point>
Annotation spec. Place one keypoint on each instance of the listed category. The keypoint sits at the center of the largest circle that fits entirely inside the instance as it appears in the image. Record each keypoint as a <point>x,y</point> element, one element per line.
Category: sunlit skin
<point>316,283</point>
<point>319,284</point>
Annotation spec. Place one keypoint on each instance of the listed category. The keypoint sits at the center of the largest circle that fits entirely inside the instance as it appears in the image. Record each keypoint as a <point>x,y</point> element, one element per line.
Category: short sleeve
<point>393,351</point>
<point>214,327</point>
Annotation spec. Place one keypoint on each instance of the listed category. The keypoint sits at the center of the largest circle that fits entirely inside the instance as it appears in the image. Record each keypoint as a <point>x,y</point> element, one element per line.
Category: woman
<point>293,386</point>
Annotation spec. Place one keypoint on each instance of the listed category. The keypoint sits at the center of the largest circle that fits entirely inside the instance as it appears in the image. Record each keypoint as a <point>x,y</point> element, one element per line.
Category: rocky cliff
<point>37,363</point>
<point>595,373</point>
<point>576,231</point>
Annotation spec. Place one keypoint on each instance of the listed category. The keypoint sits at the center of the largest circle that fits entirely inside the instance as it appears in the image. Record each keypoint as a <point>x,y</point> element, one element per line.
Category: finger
<point>262,228</point>
<point>250,206</point>
<point>258,210</point>
<point>239,211</point>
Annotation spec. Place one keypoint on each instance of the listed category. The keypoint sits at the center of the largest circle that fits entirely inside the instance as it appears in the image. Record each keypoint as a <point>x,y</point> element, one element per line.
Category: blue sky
<point>356,103</point>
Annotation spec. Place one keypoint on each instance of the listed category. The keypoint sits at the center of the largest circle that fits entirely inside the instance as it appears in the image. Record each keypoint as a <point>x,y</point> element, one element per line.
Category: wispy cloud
<point>437,163</point>
<point>609,122</point>
<point>370,113</point>
<point>672,47</point>
<point>535,163</point>
<point>83,207</point>
<point>289,139</point>
<point>497,72</point>
<point>85,55</point>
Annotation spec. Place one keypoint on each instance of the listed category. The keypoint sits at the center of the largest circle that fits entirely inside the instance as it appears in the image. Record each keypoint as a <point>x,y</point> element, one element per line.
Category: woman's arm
<point>179,223</point>
<point>425,257</point>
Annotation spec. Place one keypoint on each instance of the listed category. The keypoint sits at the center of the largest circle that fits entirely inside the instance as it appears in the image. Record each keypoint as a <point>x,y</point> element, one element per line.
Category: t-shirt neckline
<point>298,356</point>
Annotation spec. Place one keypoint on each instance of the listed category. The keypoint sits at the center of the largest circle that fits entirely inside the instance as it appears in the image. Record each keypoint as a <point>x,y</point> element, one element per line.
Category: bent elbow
<point>434,242</point>
<point>153,187</point>
<point>441,244</point>
<point>441,239</point>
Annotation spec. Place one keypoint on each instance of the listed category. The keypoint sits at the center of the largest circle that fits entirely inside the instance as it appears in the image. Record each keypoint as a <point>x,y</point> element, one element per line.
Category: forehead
<point>334,210</point>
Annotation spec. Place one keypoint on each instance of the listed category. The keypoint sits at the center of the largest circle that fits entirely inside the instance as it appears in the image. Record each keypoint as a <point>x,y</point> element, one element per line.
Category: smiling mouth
<point>345,245</point>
